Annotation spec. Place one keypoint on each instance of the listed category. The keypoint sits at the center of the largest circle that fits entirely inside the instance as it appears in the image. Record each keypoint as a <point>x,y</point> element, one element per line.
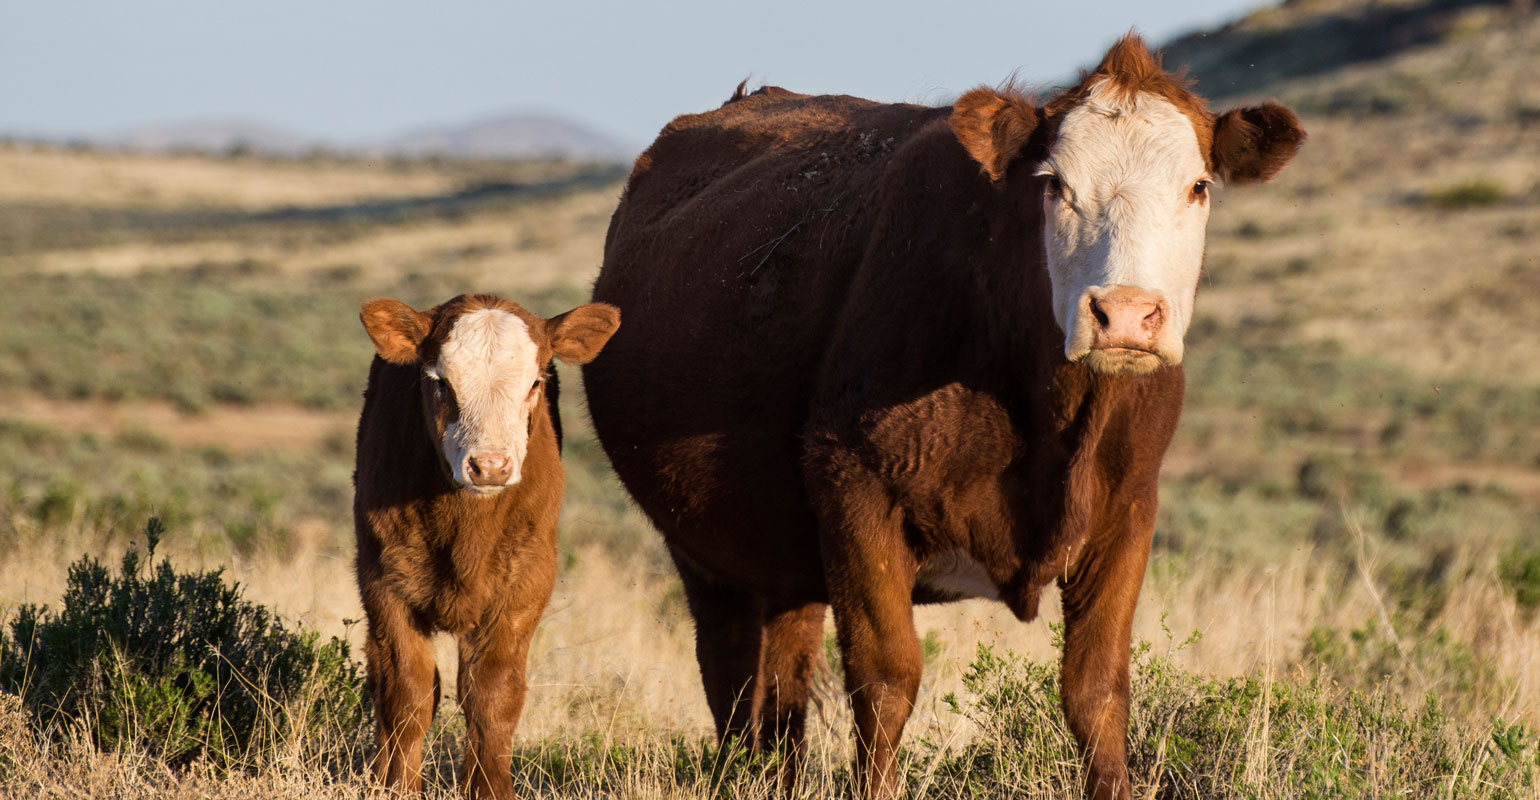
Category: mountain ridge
<point>514,134</point>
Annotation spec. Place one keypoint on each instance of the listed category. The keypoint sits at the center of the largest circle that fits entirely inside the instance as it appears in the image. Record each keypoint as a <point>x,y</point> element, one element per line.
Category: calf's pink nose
<point>490,469</point>
<point>1126,316</point>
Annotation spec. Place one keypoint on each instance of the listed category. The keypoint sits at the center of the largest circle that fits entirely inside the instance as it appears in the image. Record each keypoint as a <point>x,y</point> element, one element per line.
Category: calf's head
<point>482,363</point>
<point>1124,163</point>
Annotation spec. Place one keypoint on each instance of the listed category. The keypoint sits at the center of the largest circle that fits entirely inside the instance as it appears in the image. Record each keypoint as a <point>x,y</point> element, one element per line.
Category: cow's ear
<point>395,329</point>
<point>578,335</point>
<point>994,128</point>
<point>1252,144</point>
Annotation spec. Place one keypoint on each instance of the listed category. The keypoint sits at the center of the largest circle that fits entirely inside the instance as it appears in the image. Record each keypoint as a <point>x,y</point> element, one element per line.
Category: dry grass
<point>561,243</point>
<point>240,430</point>
<point>47,176</point>
<point>612,666</point>
<point>615,650</point>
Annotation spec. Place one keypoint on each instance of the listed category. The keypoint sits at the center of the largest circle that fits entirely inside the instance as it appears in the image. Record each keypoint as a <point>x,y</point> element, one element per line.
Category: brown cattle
<point>880,354</point>
<point>458,485</point>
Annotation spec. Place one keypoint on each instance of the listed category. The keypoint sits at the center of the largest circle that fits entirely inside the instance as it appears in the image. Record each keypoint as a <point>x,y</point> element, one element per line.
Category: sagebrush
<point>176,665</point>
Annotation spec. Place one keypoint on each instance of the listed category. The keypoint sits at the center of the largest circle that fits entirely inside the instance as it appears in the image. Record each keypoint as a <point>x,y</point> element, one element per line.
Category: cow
<point>882,354</point>
<point>458,484</point>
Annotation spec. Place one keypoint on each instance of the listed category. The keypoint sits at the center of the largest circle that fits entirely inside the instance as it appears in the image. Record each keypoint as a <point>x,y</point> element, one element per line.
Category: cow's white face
<point>1125,213</point>
<point>483,388</point>
<point>1123,162</point>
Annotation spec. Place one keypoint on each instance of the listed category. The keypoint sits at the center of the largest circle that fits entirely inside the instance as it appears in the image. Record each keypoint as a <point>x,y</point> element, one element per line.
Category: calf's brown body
<point>841,384</point>
<point>436,556</point>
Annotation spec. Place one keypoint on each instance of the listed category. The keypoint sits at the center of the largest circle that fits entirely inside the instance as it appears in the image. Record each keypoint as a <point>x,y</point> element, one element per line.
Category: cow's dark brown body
<point>840,369</point>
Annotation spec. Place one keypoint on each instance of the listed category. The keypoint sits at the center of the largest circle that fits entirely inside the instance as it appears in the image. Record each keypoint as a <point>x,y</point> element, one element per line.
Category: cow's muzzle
<point>1126,327</point>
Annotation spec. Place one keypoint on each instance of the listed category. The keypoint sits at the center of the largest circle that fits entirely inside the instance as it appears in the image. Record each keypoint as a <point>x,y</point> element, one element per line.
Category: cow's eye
<point>1199,189</point>
<point>1055,186</point>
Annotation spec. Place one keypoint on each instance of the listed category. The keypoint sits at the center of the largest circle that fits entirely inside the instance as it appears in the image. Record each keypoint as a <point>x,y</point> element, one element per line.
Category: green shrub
<point>72,484</point>
<point>174,664</point>
<point>1250,229</point>
<point>1520,570</point>
<point>1370,656</point>
<point>1325,476</point>
<point>1192,736</point>
<point>1471,194</point>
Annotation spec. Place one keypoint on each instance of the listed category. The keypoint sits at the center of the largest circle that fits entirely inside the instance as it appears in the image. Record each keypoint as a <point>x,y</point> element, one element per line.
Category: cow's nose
<point>1126,316</point>
<point>490,469</point>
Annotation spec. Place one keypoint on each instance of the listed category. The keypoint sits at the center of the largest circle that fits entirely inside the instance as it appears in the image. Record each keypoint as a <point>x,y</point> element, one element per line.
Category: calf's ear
<point>994,128</point>
<point>1252,144</point>
<point>395,329</point>
<point>578,335</point>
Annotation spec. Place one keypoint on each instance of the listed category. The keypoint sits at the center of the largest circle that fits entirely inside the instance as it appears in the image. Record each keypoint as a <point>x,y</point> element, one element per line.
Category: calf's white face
<point>1124,219</point>
<point>481,362</point>
<point>488,372</point>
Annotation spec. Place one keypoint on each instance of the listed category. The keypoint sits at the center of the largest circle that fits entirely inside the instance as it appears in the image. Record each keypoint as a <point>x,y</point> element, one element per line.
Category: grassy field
<point>1350,518</point>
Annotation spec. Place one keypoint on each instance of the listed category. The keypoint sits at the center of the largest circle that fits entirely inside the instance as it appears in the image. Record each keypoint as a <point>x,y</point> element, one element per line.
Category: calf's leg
<point>1099,598</point>
<point>403,681</point>
<point>493,683</point>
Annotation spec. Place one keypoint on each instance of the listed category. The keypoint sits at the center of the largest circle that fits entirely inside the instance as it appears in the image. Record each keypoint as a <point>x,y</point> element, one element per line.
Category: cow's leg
<point>793,644</point>
<point>404,685</point>
<point>729,643</point>
<point>494,660</point>
<point>1099,597</point>
<point>870,573</point>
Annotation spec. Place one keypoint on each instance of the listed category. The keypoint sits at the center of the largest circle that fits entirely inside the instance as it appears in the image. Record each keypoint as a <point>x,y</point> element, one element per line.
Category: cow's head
<point>482,363</point>
<point>1125,163</point>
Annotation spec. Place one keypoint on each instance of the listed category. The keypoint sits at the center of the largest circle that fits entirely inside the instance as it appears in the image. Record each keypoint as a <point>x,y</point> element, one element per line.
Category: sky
<point>362,70</point>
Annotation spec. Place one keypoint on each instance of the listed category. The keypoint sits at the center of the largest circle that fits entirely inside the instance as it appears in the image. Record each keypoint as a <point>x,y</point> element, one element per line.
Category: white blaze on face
<point>1126,214</point>
<point>488,361</point>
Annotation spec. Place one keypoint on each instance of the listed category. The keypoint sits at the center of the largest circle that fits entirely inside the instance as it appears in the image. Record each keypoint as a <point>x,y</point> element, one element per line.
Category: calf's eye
<point>1199,189</point>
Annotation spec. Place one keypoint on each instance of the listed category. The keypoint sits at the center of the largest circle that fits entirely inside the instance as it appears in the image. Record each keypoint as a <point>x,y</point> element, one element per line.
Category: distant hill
<point>516,135</point>
<point>523,135</point>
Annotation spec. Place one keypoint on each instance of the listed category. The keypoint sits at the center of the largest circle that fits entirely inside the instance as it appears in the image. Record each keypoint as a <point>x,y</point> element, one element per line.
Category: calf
<point>458,485</point>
